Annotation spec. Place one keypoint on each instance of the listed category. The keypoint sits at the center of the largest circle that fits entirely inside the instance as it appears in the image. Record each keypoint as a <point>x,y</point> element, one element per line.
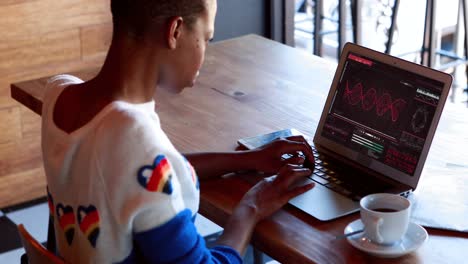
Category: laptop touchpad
<point>324,204</point>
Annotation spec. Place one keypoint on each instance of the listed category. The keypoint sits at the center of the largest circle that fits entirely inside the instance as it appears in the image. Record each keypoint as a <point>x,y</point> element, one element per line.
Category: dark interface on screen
<point>383,112</point>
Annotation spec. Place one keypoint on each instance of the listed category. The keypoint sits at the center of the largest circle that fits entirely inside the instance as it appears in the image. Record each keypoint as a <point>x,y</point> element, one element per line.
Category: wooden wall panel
<point>95,40</point>
<point>22,174</point>
<point>22,186</point>
<point>40,50</point>
<point>11,2</point>
<point>30,123</point>
<point>40,17</point>
<point>5,99</point>
<point>40,38</point>
<point>20,155</point>
<point>10,126</point>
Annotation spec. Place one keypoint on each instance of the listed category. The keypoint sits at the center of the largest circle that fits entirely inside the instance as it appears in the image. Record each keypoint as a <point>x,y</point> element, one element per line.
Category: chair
<point>36,253</point>
<point>429,50</point>
<point>317,21</point>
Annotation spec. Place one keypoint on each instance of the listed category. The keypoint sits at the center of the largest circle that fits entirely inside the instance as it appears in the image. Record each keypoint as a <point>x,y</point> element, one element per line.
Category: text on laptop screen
<point>382,111</point>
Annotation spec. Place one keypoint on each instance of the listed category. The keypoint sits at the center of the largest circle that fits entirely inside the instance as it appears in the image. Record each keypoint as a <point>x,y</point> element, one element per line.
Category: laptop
<point>374,133</point>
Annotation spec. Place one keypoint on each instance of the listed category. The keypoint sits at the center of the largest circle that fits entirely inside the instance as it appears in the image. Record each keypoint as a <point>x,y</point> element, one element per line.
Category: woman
<point>118,189</point>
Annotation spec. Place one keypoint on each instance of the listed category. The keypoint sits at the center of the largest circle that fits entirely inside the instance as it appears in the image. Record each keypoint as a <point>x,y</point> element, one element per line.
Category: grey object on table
<point>447,212</point>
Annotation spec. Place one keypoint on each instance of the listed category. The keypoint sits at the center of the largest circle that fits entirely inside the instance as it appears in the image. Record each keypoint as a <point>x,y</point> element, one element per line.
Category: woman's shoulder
<point>58,82</point>
<point>125,116</point>
<point>63,79</point>
<point>55,86</point>
<point>127,127</point>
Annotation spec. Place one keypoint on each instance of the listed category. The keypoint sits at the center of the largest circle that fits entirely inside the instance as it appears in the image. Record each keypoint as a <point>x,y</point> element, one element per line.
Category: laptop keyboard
<point>331,177</point>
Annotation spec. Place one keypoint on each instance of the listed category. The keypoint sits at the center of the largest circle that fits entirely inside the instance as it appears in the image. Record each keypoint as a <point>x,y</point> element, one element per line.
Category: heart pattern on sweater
<point>156,177</point>
<point>88,220</point>
<point>66,220</point>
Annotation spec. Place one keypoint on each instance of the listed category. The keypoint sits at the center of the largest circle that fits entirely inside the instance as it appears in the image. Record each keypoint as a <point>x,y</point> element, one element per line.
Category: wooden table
<point>249,86</point>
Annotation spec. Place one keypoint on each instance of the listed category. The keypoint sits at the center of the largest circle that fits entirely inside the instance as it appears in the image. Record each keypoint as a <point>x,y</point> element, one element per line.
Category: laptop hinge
<point>397,187</point>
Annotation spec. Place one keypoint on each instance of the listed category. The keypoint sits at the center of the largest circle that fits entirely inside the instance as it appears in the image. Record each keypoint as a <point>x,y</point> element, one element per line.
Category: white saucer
<point>412,240</point>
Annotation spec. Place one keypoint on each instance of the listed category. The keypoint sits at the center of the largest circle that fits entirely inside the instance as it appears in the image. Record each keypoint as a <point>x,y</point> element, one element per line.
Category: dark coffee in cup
<point>385,210</point>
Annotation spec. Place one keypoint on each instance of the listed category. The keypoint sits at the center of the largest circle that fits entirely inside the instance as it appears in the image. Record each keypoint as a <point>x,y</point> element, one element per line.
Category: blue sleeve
<point>178,242</point>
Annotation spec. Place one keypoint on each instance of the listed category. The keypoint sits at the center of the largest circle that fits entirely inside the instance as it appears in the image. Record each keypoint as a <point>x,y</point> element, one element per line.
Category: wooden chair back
<point>37,254</point>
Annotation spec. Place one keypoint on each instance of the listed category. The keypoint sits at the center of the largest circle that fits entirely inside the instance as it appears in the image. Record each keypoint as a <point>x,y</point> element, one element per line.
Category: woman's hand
<point>260,201</point>
<point>269,158</point>
<point>273,192</point>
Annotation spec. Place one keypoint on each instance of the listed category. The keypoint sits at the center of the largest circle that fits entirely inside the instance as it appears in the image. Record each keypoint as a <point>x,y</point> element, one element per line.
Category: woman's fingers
<point>288,176</point>
<point>296,160</point>
<point>273,192</point>
<point>294,146</point>
<point>290,173</point>
<point>297,138</point>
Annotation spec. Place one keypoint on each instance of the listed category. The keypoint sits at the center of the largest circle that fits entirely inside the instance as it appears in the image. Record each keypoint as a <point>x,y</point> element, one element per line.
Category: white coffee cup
<point>385,217</point>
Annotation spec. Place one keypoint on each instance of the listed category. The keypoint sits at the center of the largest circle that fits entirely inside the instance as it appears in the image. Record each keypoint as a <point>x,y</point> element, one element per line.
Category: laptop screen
<point>382,111</point>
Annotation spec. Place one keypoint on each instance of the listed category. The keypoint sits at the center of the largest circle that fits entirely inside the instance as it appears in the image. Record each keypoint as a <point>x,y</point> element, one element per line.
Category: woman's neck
<point>130,72</point>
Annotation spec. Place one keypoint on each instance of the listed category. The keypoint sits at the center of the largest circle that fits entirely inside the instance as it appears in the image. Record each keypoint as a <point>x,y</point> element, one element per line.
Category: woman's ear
<point>174,31</point>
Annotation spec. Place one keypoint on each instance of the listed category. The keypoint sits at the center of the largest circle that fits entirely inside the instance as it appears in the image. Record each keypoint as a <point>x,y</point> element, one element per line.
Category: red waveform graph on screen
<point>369,99</point>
